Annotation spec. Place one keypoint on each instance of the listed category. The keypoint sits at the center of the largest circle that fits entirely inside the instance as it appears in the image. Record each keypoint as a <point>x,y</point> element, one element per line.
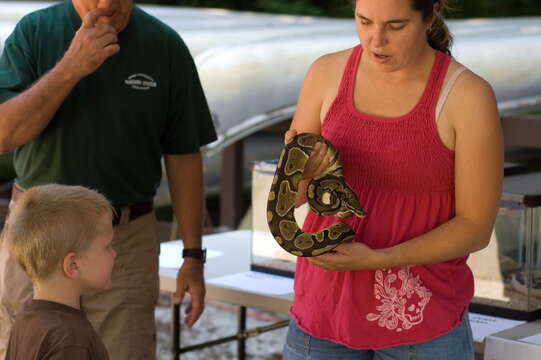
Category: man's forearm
<point>185,177</point>
<point>25,116</point>
<point>190,214</point>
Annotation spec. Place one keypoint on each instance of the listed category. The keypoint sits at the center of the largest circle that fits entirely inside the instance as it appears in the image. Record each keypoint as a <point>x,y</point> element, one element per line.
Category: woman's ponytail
<point>439,37</point>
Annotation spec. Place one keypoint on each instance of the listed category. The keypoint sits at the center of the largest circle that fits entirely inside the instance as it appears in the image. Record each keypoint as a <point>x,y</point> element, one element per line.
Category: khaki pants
<point>15,289</point>
<point>123,315</point>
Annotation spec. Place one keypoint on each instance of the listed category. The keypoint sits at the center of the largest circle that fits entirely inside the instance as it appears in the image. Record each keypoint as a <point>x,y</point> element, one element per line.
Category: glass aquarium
<point>508,272</point>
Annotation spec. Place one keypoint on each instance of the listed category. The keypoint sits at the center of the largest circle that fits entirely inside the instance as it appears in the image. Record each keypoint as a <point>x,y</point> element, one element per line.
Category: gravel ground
<point>220,320</point>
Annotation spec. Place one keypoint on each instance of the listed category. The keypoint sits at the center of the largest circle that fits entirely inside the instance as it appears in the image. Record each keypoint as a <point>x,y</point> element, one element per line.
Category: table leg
<point>175,322</point>
<point>241,342</point>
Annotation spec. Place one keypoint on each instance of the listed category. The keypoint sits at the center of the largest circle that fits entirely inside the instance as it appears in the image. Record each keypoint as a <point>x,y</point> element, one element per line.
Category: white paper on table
<point>256,282</point>
<point>534,339</point>
<point>171,254</point>
<point>484,325</point>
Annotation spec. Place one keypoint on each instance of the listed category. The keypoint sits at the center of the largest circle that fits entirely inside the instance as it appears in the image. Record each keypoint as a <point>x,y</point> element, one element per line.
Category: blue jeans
<point>457,345</point>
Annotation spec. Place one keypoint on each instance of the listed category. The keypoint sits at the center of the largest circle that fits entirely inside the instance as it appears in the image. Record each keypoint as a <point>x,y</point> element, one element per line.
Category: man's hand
<point>92,44</point>
<point>190,280</point>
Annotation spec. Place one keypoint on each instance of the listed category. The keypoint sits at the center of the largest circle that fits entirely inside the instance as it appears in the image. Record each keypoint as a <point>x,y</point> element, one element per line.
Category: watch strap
<point>200,254</point>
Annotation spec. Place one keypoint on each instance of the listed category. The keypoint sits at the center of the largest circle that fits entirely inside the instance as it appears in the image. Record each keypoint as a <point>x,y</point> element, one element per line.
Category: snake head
<point>332,196</point>
<point>350,204</point>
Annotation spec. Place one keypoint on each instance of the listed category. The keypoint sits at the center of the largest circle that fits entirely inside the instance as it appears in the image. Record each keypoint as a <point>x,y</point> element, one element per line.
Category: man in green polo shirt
<point>94,93</point>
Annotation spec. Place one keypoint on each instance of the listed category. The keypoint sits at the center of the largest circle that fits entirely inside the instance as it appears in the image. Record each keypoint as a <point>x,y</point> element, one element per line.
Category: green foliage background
<point>342,8</point>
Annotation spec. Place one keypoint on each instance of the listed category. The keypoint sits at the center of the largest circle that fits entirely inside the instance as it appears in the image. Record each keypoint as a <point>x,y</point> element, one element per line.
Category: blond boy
<point>61,235</point>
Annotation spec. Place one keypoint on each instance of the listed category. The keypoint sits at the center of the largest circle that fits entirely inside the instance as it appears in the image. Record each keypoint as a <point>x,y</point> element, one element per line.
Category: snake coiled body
<point>328,195</point>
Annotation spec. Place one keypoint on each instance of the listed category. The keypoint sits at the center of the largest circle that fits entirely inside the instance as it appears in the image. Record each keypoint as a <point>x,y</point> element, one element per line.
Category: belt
<point>128,212</point>
<point>133,211</point>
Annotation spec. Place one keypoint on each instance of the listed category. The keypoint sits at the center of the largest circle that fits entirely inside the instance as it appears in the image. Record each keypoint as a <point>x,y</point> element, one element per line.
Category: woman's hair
<point>439,37</point>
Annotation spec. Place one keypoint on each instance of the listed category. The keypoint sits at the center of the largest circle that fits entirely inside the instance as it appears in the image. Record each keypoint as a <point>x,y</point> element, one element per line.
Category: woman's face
<point>393,34</point>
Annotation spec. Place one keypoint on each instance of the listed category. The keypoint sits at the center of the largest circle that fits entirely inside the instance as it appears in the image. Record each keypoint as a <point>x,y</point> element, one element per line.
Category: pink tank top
<point>403,175</point>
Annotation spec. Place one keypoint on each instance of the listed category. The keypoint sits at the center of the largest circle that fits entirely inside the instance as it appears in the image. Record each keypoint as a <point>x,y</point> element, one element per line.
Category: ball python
<point>328,195</point>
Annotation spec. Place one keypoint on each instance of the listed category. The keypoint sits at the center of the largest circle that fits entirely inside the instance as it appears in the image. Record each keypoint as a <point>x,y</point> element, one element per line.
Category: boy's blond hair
<point>49,221</point>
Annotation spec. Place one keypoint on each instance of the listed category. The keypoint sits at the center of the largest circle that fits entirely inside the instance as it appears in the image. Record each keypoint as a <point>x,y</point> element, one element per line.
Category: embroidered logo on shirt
<point>140,82</point>
<point>402,305</point>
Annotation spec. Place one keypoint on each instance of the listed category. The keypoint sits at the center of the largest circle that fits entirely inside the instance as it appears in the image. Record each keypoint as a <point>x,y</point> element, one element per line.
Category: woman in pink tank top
<point>424,155</point>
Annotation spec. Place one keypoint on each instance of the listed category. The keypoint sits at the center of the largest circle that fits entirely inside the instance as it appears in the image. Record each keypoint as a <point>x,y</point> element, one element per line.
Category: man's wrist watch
<point>200,254</point>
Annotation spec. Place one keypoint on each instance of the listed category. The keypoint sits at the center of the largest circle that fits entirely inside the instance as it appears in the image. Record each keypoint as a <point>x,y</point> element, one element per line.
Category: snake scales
<point>328,195</point>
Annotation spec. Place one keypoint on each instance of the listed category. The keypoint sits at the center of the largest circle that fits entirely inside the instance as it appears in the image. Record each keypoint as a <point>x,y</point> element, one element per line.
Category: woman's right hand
<point>318,160</point>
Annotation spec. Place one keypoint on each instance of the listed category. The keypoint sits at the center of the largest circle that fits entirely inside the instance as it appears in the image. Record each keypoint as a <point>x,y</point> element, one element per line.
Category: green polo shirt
<point>113,128</point>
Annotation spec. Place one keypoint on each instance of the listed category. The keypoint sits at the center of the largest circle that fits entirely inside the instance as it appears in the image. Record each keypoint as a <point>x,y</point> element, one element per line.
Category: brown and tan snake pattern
<point>328,195</point>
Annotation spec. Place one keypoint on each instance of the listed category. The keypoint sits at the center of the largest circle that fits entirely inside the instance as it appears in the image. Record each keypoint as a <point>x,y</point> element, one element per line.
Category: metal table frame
<point>241,335</point>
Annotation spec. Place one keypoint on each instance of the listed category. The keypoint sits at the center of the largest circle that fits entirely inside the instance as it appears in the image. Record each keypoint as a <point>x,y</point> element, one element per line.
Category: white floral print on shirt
<point>402,305</point>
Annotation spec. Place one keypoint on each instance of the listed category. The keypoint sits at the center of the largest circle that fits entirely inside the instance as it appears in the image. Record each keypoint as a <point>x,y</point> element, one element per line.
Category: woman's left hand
<point>348,256</point>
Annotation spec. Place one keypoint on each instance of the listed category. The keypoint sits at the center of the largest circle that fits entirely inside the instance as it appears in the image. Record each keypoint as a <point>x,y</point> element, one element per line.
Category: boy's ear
<point>70,265</point>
